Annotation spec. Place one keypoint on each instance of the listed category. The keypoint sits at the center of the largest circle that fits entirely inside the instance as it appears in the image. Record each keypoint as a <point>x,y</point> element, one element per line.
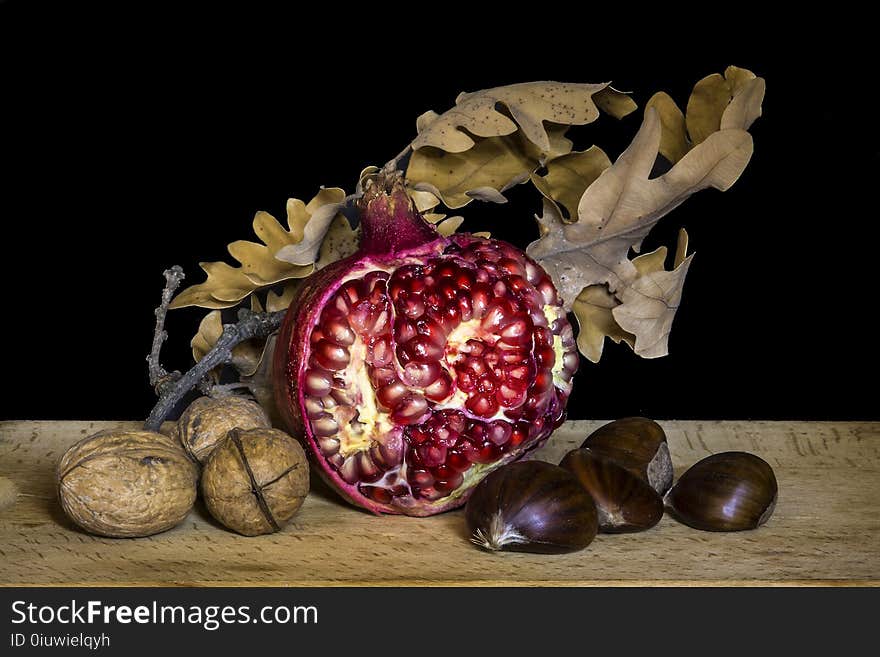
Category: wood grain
<point>825,530</point>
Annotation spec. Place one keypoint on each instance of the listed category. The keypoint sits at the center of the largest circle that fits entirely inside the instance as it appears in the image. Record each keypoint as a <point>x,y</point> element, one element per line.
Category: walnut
<point>208,419</point>
<point>126,483</point>
<point>255,481</point>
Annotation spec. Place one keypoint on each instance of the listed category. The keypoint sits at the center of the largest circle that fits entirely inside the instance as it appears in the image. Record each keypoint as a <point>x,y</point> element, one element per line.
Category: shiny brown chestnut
<point>726,492</point>
<point>531,506</point>
<point>624,502</point>
<point>639,445</point>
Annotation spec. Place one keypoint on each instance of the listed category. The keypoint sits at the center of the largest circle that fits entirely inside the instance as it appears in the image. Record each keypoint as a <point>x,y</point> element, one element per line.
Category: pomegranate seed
<point>470,451</point>
<point>349,470</point>
<point>545,357</point>
<point>351,291</point>
<point>466,381</point>
<point>410,409</point>
<point>317,383</point>
<point>450,317</point>
<point>359,317</point>
<point>423,350</point>
<point>510,397</point>
<point>481,295</point>
<point>482,405</point>
<point>379,321</point>
<point>314,407</point>
<point>533,274</point>
<point>370,472</point>
<point>486,385</point>
<point>548,292</point>
<point>429,493</point>
<point>455,420</point>
<point>511,267</point>
<point>446,270</point>
<point>476,365</point>
<point>422,374</point>
<point>518,332</point>
<point>443,435</point>
<point>430,328</point>
<point>440,389</point>
<point>465,306</point>
<point>457,460</point>
<point>395,287</point>
<point>520,373</point>
<point>413,308</point>
<point>336,328</point>
<point>519,285</point>
<point>328,445</point>
<point>543,381</point>
<point>475,347</point>
<point>329,355</point>
<point>431,455</point>
<point>518,435</point>
<point>404,330</point>
<point>417,436</point>
<point>379,354</point>
<point>543,336</point>
<point>448,485</point>
<point>377,494</point>
<point>488,453</point>
<point>391,450</point>
<point>499,432</point>
<point>498,315</point>
<point>390,395</point>
<point>421,478</point>
<point>325,426</point>
<point>464,280</point>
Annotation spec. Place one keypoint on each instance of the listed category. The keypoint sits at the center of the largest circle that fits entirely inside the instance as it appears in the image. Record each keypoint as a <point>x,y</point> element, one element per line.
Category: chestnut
<point>531,506</point>
<point>725,492</point>
<point>624,502</point>
<point>639,445</point>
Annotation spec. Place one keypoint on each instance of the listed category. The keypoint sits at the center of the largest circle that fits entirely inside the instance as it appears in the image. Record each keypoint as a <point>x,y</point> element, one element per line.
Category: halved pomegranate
<point>421,363</point>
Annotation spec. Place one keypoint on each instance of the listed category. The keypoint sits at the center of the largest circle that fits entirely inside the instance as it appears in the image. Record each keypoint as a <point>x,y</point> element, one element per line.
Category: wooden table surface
<point>825,530</point>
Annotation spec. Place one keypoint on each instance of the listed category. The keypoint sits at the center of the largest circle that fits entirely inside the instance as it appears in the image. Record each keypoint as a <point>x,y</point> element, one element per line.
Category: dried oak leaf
<point>716,103</point>
<point>491,167</point>
<point>615,214</point>
<point>339,242</point>
<point>649,303</point>
<point>593,310</point>
<point>307,225</point>
<point>528,105</point>
<point>495,139</point>
<point>568,177</point>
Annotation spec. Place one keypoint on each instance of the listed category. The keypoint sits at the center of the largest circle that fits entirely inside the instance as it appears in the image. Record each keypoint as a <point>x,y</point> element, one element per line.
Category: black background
<point>133,141</point>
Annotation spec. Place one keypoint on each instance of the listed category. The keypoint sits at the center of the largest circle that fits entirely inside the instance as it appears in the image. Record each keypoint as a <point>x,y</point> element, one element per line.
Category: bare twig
<point>160,379</point>
<point>393,165</point>
<point>250,325</point>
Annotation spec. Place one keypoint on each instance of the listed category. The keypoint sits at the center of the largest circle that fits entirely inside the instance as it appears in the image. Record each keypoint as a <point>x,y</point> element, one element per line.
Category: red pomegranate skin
<point>418,365</point>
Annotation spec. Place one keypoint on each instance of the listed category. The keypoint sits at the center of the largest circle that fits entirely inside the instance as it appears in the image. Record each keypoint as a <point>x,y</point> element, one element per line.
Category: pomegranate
<point>420,364</point>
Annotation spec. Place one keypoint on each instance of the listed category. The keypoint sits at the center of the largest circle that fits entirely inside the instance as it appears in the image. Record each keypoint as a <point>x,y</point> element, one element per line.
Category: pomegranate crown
<point>390,222</point>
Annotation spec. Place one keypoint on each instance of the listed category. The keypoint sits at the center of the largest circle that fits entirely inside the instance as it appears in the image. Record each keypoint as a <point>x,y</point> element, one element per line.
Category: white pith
<point>552,313</point>
<point>357,434</point>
